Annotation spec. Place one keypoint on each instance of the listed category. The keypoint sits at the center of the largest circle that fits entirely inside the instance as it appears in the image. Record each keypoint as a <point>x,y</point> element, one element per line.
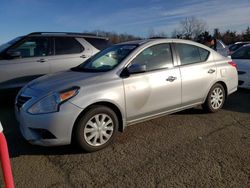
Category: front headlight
<point>52,102</point>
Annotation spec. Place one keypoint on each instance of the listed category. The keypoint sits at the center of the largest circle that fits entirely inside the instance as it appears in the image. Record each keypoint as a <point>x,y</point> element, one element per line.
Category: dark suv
<point>27,57</point>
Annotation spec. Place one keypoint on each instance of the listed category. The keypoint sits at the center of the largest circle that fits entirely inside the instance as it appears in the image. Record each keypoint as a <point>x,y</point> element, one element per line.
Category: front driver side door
<point>158,89</point>
<point>30,63</point>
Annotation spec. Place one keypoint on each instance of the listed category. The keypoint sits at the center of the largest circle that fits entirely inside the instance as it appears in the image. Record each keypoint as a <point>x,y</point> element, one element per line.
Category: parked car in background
<point>242,58</point>
<point>122,85</point>
<point>28,57</point>
<point>236,46</point>
<point>222,48</point>
<point>215,44</point>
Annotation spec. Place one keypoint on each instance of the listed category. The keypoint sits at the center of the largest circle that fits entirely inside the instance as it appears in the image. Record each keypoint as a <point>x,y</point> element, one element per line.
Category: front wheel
<point>215,99</point>
<point>97,128</point>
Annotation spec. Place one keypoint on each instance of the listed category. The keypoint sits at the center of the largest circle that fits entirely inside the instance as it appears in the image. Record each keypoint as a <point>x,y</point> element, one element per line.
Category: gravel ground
<point>186,149</point>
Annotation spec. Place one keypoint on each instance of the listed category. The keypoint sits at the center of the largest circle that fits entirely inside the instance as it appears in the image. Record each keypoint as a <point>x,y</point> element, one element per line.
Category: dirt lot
<point>187,149</point>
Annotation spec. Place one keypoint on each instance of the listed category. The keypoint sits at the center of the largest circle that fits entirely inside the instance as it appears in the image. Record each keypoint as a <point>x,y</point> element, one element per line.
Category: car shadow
<point>191,111</point>
<point>236,102</point>
<point>239,101</point>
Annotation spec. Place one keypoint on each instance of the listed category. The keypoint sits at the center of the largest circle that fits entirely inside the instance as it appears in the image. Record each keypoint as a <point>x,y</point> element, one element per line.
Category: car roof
<point>67,34</point>
<point>242,42</point>
<point>134,42</point>
<point>246,45</point>
<point>144,41</point>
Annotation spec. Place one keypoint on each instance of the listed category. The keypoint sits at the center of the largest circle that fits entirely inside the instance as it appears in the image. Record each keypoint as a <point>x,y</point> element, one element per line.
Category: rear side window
<point>99,44</point>
<point>203,54</point>
<point>191,54</point>
<point>67,45</point>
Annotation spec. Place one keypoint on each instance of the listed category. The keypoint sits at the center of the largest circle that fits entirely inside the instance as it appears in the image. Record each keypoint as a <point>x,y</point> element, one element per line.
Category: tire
<point>96,129</point>
<point>215,99</point>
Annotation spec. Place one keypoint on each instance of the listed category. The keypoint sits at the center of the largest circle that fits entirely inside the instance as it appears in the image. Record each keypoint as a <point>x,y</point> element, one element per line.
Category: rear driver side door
<point>198,72</point>
<point>68,53</point>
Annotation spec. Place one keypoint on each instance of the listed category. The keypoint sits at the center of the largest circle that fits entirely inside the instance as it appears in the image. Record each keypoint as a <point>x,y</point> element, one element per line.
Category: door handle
<point>211,71</point>
<point>171,78</point>
<point>83,56</point>
<point>41,60</point>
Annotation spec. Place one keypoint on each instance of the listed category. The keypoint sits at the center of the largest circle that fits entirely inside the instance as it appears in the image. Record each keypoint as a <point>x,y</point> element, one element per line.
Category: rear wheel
<point>215,98</point>
<point>97,128</point>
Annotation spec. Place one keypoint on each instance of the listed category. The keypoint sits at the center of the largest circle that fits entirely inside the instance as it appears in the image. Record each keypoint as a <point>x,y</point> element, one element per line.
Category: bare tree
<point>162,34</point>
<point>151,33</point>
<point>154,34</point>
<point>176,34</point>
<point>113,36</point>
<point>191,27</point>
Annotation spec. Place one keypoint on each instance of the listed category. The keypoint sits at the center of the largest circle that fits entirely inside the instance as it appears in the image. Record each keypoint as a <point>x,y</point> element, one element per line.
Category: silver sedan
<point>122,85</point>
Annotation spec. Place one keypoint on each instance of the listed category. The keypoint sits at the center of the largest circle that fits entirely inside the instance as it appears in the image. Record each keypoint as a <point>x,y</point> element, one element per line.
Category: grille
<point>21,100</point>
<point>43,133</point>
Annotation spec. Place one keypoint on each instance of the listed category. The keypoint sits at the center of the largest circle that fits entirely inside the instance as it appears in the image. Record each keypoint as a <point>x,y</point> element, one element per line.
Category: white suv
<point>28,57</point>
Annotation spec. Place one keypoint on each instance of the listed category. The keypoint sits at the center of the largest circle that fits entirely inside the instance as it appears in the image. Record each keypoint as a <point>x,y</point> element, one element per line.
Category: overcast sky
<point>138,17</point>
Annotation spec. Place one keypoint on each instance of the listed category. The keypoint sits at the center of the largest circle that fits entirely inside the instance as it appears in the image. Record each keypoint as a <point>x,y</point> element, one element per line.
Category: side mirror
<point>136,68</point>
<point>14,54</point>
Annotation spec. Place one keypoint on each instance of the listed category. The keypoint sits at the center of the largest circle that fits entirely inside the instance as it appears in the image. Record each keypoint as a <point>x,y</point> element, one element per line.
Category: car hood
<point>63,80</point>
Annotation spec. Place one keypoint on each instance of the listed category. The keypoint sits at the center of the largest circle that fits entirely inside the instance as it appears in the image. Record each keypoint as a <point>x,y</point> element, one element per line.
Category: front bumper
<point>59,125</point>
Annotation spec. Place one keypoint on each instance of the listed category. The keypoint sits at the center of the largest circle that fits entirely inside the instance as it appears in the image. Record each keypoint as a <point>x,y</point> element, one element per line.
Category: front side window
<point>32,47</point>
<point>107,59</point>
<point>242,53</point>
<point>155,57</point>
<point>67,45</point>
<point>191,54</point>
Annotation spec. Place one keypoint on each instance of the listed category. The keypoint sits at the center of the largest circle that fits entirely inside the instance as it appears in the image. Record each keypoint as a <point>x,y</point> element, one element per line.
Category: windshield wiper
<point>82,69</point>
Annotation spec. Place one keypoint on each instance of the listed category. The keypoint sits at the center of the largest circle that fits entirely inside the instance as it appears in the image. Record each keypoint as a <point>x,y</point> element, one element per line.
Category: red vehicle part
<point>5,162</point>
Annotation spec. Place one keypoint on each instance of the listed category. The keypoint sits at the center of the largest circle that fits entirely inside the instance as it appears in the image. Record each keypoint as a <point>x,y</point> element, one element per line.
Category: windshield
<point>242,53</point>
<point>107,59</point>
<point>8,44</point>
<point>236,46</point>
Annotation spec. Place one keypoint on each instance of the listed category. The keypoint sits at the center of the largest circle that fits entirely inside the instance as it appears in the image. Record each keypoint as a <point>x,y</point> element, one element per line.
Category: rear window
<point>67,45</point>
<point>99,44</point>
